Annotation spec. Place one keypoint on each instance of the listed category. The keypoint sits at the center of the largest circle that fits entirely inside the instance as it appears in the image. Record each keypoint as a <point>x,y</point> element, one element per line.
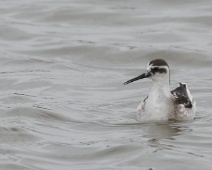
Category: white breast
<point>158,105</point>
<point>154,111</point>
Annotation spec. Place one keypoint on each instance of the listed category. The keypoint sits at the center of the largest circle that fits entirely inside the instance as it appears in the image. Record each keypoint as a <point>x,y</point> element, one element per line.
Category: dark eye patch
<point>158,70</point>
<point>162,70</point>
<point>155,69</point>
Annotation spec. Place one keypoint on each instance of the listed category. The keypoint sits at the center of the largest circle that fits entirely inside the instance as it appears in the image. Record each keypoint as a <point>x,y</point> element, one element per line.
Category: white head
<point>157,70</point>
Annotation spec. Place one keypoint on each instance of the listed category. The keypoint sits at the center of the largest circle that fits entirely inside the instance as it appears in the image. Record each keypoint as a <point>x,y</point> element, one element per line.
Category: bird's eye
<point>155,69</point>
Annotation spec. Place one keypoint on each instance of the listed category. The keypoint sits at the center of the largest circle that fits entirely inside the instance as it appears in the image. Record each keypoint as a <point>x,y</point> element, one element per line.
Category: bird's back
<point>185,106</point>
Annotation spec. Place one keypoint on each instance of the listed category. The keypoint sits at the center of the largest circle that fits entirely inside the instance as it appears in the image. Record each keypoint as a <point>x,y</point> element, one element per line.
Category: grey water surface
<point>62,101</point>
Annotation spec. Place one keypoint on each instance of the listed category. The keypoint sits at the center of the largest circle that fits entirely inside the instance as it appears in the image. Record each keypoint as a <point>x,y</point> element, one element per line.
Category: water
<point>62,100</point>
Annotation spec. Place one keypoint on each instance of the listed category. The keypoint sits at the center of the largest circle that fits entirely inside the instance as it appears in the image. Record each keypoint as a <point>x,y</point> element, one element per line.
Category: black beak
<point>142,76</point>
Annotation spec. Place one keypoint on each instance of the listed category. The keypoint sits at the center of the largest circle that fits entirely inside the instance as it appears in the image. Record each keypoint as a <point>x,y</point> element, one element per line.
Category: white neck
<point>160,88</point>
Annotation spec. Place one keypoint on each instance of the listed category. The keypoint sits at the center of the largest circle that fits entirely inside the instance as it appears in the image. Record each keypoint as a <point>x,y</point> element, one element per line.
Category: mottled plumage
<point>161,103</point>
<point>181,96</point>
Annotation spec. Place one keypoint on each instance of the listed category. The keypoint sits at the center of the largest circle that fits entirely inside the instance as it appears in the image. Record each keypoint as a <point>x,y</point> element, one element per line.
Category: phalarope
<point>162,104</point>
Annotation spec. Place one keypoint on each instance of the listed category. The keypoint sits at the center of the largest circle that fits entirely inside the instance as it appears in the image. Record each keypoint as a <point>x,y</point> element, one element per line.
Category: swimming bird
<point>162,104</point>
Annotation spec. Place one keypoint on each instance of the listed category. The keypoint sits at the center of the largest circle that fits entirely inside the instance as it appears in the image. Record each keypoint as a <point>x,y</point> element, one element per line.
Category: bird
<point>162,104</point>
